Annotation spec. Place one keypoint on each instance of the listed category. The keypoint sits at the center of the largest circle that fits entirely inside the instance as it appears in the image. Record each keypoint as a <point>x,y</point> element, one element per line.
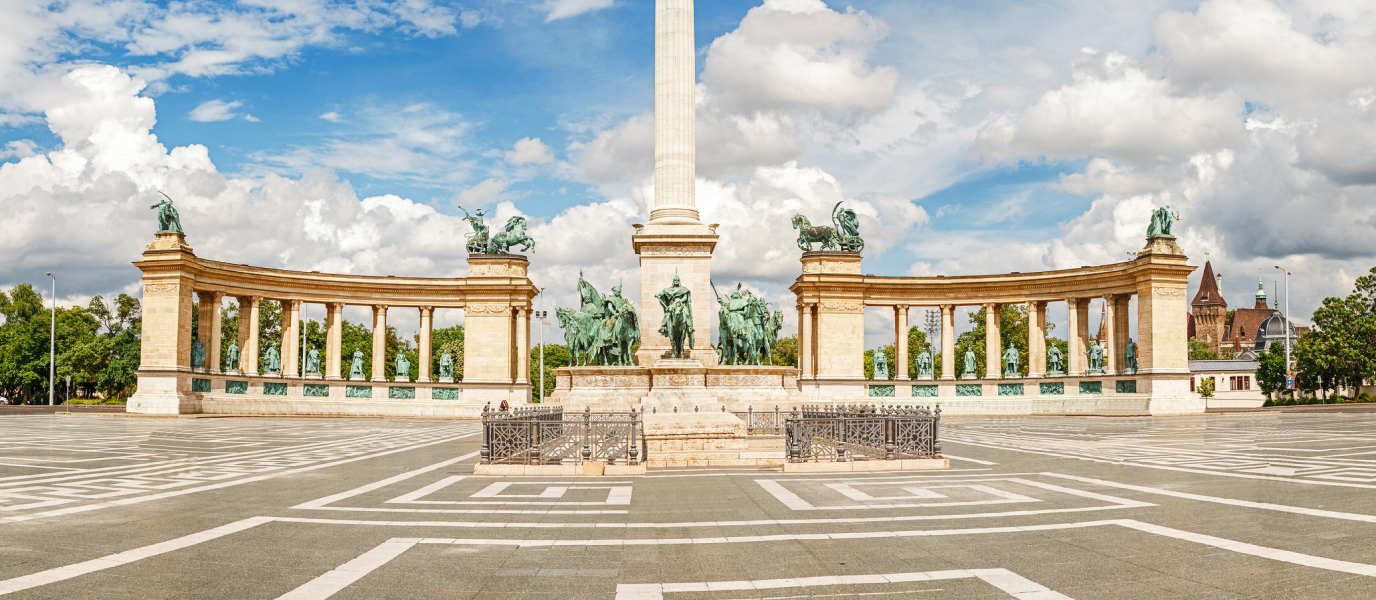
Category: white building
<point>1235,382</point>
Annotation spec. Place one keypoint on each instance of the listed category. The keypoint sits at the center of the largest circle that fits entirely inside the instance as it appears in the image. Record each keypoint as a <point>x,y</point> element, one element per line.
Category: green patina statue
<point>273,361</point>
<point>168,219</point>
<point>1054,361</point>
<point>1010,363</point>
<point>845,235</point>
<point>881,365</point>
<point>969,362</point>
<point>232,356</point>
<point>924,363</point>
<point>481,241</point>
<point>1130,358</point>
<point>748,330</point>
<point>446,366</point>
<point>403,368</point>
<point>356,368</point>
<point>677,302</point>
<point>604,329</point>
<point>197,354</point>
<point>313,361</point>
<point>1096,357</point>
<point>1161,220</point>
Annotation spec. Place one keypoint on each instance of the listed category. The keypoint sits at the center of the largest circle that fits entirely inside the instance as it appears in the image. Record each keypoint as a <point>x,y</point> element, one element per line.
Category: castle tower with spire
<point>1210,310</point>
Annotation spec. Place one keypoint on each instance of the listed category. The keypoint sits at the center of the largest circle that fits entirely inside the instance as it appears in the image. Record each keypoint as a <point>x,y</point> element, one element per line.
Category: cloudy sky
<point>974,137</point>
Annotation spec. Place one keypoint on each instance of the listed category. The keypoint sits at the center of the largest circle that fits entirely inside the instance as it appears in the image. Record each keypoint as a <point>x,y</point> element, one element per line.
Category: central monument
<point>675,243</point>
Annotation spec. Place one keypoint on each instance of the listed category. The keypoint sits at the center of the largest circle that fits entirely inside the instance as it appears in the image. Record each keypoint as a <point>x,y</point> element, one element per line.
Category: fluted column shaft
<point>993,342</point>
<point>379,343</point>
<point>334,334</point>
<point>423,344</point>
<point>948,341</point>
<point>900,342</point>
<point>675,110</point>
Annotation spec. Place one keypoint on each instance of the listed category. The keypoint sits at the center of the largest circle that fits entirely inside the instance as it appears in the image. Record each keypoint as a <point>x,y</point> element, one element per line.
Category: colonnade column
<point>1079,332</point>
<point>804,340</point>
<point>334,339</point>
<point>900,343</point>
<point>210,328</point>
<point>1036,339</point>
<point>248,334</point>
<point>993,343</point>
<point>291,338</point>
<point>1120,327</point>
<point>379,342</point>
<point>522,345</point>
<point>1110,338</point>
<point>423,344</point>
<point>948,341</point>
<point>203,300</point>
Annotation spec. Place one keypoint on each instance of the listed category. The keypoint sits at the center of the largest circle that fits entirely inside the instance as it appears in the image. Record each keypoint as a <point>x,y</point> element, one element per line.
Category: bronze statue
<point>356,369</point>
<point>168,219</point>
<point>1161,220</point>
<point>446,366</point>
<point>677,302</point>
<point>232,356</point>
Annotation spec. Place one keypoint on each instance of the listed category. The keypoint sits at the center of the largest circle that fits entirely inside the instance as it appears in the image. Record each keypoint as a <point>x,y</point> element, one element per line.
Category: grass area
<point>1315,400</point>
<point>91,401</point>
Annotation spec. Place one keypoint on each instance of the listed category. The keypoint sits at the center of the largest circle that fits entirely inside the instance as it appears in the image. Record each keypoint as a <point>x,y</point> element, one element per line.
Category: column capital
<point>947,307</point>
<point>425,310</point>
<point>900,307</point>
<point>335,305</point>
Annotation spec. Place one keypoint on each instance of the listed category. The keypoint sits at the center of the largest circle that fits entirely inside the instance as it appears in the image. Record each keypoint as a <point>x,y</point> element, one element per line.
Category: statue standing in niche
<point>446,366</point>
<point>1054,361</point>
<point>273,361</point>
<point>356,368</point>
<point>168,219</point>
<point>924,363</point>
<point>881,365</point>
<point>403,368</point>
<point>197,354</point>
<point>677,302</point>
<point>1096,357</point>
<point>970,362</point>
<point>1010,363</point>
<point>232,356</point>
<point>1130,358</point>
<point>313,361</point>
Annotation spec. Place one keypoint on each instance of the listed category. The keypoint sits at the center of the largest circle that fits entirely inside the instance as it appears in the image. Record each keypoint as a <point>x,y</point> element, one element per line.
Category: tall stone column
<point>522,345</point>
<point>379,342</point>
<point>203,300</point>
<point>1120,327</point>
<point>423,344</point>
<point>948,341</point>
<point>900,342</point>
<point>993,342</point>
<point>249,307</point>
<point>209,334</point>
<point>675,242</point>
<point>334,342</point>
<point>804,341</point>
<point>291,338</point>
<point>1110,339</point>
<point>1078,336</point>
<point>1036,339</point>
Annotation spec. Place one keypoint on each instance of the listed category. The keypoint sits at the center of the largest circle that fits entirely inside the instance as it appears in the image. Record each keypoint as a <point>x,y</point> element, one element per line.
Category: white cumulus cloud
<point>563,9</point>
<point>215,110</point>
<point>529,151</point>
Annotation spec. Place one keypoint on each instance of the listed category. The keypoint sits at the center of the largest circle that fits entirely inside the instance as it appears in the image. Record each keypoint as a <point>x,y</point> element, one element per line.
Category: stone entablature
<point>708,388</point>
<point>496,298</point>
<point>832,294</point>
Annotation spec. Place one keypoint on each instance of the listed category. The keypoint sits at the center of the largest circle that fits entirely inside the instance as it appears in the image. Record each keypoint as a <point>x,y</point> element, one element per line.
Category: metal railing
<point>861,432</point>
<point>762,422</point>
<point>545,435</point>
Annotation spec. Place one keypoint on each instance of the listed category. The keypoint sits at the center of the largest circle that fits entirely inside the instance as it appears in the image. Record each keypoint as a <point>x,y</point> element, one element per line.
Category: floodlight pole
<point>542,344</point>
<point>1288,377</point>
<point>52,347</point>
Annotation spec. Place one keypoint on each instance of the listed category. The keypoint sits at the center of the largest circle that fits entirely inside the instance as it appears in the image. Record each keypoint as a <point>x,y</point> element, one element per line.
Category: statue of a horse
<point>808,235</point>
<point>514,235</point>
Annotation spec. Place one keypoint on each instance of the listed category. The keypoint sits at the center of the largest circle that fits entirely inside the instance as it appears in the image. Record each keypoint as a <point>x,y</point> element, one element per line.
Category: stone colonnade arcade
<point>496,297</point>
<point>832,295</point>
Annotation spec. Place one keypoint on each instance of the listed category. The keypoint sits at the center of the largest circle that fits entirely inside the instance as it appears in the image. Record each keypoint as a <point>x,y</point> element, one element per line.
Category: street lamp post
<point>542,345</point>
<point>52,347</point>
<point>1288,377</point>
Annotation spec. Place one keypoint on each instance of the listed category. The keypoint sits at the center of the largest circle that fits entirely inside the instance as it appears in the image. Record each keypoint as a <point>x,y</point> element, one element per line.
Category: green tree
<point>786,352</point>
<point>917,342</point>
<point>1313,372</point>
<point>1013,327</point>
<point>451,339</point>
<point>1199,350</point>
<point>556,356</point>
<point>1271,370</point>
<point>354,336</point>
<point>1206,387</point>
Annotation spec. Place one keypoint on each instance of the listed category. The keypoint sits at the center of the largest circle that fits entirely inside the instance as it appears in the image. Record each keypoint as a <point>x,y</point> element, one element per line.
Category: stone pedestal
<point>678,382</point>
<point>446,380</point>
<point>666,250</point>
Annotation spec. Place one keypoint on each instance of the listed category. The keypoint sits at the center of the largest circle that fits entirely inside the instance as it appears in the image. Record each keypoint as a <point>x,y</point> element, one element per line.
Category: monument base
<point>684,383</point>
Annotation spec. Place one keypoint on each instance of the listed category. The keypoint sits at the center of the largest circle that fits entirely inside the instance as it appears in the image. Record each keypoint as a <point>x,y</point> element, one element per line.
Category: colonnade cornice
<point>234,280</point>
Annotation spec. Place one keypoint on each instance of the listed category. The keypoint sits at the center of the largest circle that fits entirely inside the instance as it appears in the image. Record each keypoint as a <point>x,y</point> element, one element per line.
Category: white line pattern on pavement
<point>1016,585</point>
<point>330,583</point>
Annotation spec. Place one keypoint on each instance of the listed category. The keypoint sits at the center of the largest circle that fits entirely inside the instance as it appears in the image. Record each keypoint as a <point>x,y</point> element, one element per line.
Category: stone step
<point>686,461</point>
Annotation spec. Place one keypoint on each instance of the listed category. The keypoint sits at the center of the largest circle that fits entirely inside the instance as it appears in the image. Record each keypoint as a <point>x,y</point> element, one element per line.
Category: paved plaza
<point>1218,506</point>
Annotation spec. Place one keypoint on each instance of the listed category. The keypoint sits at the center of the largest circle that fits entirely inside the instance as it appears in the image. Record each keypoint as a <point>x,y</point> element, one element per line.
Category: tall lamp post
<point>52,347</point>
<point>1288,378</point>
<point>542,314</point>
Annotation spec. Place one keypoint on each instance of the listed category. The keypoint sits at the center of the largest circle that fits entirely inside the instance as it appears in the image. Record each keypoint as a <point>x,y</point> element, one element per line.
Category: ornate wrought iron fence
<point>862,432</point>
<point>762,422</point>
<point>546,436</point>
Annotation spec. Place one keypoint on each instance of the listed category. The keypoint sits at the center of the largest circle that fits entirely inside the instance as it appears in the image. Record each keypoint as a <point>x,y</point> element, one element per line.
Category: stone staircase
<point>759,451</point>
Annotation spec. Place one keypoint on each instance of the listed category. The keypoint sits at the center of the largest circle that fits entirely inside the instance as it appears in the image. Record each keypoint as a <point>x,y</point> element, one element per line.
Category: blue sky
<point>973,137</point>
